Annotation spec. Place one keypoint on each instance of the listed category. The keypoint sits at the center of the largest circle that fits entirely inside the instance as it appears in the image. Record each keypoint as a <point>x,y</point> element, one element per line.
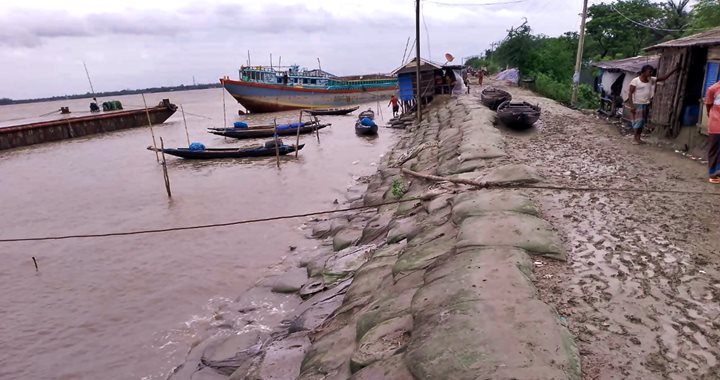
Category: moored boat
<point>265,150</point>
<point>518,116</point>
<point>270,89</point>
<point>268,131</point>
<point>492,97</point>
<point>332,111</point>
<point>71,127</point>
<point>365,124</point>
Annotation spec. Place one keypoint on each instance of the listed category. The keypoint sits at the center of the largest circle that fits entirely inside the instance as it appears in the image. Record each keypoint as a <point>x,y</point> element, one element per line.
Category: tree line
<point>614,30</point>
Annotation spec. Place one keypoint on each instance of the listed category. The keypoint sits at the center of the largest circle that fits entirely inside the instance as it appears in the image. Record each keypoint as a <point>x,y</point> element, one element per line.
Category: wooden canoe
<point>492,97</point>
<point>518,116</point>
<point>264,132</point>
<point>215,153</point>
<point>332,111</point>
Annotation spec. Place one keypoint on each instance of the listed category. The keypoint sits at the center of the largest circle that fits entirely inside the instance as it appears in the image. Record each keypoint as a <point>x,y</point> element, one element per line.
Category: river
<point>130,307</point>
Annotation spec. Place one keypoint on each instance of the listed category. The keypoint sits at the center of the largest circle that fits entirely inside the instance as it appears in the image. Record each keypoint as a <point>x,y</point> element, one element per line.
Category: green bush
<point>562,91</point>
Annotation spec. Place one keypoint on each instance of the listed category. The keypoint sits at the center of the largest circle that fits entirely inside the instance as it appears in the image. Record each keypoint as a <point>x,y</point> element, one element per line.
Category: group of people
<point>639,100</point>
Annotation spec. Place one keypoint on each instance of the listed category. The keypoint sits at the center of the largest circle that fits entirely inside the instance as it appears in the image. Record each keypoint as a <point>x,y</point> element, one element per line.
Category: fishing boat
<point>66,127</point>
<point>365,124</point>
<point>492,97</point>
<point>332,111</point>
<point>271,89</point>
<point>268,130</point>
<point>518,116</point>
<point>265,150</point>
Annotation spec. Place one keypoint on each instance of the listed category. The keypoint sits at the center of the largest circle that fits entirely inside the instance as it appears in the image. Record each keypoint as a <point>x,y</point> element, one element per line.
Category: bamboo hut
<point>613,83</point>
<point>433,77</point>
<point>677,108</point>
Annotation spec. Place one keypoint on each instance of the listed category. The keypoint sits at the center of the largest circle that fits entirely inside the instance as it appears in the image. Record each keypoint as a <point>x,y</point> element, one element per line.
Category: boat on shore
<point>269,130</point>
<point>493,97</point>
<point>71,127</point>
<point>332,111</point>
<point>272,89</point>
<point>265,150</point>
<point>518,116</point>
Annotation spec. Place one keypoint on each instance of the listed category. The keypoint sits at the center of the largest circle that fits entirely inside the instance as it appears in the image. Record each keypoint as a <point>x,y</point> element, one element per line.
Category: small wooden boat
<point>492,97</point>
<point>266,131</point>
<point>367,114</point>
<point>332,111</point>
<point>518,116</point>
<point>213,153</point>
<point>363,130</point>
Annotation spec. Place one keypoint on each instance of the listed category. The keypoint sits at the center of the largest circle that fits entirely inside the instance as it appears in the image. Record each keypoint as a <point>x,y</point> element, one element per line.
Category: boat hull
<point>518,116</point>
<point>67,128</point>
<point>209,154</point>
<point>253,133</point>
<point>332,111</point>
<point>259,98</point>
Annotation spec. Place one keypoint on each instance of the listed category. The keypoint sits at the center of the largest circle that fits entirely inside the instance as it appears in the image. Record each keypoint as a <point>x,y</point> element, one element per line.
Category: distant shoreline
<point>182,87</point>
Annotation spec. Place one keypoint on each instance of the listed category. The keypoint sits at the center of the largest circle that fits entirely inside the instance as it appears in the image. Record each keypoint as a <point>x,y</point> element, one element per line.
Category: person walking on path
<point>641,93</point>
<point>712,102</point>
<point>395,105</point>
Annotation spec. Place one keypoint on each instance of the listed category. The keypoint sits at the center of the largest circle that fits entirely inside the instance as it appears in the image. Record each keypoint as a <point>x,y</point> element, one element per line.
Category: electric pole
<point>578,59</point>
<point>418,100</point>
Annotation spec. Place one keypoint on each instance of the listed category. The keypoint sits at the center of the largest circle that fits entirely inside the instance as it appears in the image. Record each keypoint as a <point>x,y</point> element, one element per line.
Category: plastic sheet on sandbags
<point>459,88</point>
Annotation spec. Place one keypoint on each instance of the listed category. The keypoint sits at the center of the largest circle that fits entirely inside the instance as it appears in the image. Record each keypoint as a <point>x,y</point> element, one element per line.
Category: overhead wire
<point>638,23</point>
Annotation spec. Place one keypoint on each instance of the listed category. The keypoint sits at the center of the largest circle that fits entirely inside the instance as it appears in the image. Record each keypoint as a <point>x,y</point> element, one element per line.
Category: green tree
<point>705,15</point>
<point>516,49</point>
<point>4,101</point>
<point>676,18</point>
<point>622,28</point>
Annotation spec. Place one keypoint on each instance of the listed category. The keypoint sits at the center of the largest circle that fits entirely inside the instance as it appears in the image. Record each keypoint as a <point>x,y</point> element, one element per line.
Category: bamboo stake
<point>147,112</point>
<point>224,112</point>
<point>36,264</point>
<point>165,171</point>
<point>277,148</point>
<point>297,138</point>
<point>187,135</point>
<point>317,130</point>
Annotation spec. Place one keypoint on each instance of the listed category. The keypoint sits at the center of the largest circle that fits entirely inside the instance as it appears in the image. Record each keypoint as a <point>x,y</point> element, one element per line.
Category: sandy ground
<point>641,289</point>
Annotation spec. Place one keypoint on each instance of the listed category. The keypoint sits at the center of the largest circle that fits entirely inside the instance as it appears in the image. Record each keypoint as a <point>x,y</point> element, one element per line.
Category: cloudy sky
<point>144,43</point>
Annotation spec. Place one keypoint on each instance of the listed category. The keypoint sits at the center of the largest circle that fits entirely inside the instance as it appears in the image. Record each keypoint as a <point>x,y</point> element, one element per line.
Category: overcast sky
<point>145,43</point>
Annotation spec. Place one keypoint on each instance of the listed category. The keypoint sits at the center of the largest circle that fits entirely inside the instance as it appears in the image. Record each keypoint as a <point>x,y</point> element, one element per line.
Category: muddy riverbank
<point>438,285</point>
<point>642,288</point>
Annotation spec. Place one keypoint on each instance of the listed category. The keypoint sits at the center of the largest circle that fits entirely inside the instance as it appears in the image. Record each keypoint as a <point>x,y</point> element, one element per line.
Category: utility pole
<point>578,59</point>
<point>418,100</point>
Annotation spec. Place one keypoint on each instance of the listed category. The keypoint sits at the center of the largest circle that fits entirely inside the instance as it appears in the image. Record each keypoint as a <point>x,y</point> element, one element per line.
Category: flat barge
<point>71,127</point>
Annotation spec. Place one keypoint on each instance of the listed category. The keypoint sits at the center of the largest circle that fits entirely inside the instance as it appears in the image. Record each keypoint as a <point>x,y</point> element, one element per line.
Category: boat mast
<point>90,81</point>
<point>417,58</point>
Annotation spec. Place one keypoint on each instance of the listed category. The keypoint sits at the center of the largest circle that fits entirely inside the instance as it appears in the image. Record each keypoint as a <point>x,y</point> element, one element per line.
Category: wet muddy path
<point>641,290</point>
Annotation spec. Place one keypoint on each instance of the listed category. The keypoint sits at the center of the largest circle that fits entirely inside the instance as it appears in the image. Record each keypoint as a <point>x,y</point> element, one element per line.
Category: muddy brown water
<point>130,307</point>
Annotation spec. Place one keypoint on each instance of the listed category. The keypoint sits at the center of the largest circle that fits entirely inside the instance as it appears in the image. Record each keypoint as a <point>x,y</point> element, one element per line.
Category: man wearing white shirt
<point>641,93</point>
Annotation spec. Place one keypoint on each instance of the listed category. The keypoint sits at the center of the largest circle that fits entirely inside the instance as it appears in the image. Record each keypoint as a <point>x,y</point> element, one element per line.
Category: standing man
<point>395,105</point>
<point>712,101</point>
<point>641,93</point>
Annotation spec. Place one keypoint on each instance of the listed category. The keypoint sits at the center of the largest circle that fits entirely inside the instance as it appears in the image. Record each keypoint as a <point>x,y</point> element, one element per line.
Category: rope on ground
<point>211,225</point>
<point>525,185</point>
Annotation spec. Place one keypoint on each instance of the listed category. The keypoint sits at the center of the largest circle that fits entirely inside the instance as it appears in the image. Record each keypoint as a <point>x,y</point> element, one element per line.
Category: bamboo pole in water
<point>224,112</point>
<point>166,177</point>
<point>277,148</point>
<point>187,135</point>
<point>297,138</point>
<point>317,130</point>
<point>147,112</point>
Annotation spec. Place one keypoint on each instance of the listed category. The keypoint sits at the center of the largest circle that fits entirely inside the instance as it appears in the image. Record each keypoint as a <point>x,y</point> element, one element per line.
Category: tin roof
<point>631,65</point>
<point>411,66</point>
<point>707,38</point>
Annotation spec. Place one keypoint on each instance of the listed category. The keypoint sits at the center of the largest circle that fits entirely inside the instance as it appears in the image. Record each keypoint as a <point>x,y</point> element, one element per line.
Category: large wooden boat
<point>272,89</point>
<point>71,127</point>
<point>216,153</point>
<point>492,97</point>
<point>518,116</point>
<point>268,131</point>
<point>332,111</point>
